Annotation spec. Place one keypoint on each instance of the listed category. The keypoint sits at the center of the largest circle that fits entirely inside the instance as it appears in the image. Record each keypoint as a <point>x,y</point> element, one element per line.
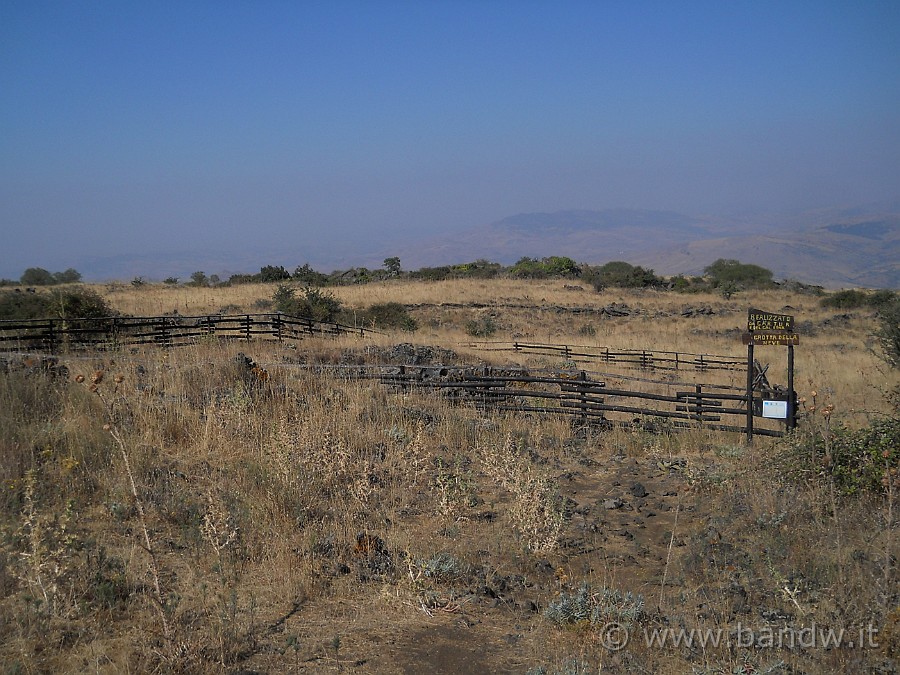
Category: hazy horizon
<point>235,127</point>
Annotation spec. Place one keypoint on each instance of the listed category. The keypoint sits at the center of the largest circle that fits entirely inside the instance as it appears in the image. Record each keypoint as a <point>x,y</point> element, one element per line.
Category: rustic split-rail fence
<point>164,331</point>
<point>645,359</point>
<point>654,406</point>
<point>580,394</point>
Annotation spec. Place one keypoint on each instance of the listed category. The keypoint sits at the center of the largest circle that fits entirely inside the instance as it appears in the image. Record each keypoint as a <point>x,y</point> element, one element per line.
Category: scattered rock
<point>412,355</point>
<point>618,309</point>
<point>638,490</point>
<point>698,311</point>
<point>611,504</point>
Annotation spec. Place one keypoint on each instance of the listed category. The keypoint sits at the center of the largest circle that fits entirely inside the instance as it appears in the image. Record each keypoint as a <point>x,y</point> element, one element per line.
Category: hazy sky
<point>132,127</point>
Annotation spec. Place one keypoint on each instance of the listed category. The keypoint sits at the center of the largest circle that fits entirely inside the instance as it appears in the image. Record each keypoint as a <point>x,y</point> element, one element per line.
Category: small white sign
<point>775,409</point>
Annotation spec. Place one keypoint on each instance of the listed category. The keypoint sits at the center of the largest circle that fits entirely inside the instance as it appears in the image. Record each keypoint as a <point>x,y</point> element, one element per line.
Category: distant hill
<point>834,249</point>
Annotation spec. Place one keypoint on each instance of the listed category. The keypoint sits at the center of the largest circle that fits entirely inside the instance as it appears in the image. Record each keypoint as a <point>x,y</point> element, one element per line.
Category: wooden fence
<point>578,395</point>
<point>644,359</point>
<point>166,331</point>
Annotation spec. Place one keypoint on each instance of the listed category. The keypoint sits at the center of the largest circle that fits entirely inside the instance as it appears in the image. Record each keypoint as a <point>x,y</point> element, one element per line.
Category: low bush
<point>314,304</point>
<point>620,274</point>
<point>861,460</point>
<point>741,275</point>
<point>596,608</point>
<point>388,315</point>
<point>857,299</point>
<point>69,303</point>
<point>484,326</point>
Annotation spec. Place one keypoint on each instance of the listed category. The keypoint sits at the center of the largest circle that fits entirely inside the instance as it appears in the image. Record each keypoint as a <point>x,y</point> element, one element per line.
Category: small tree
<point>561,266</point>
<point>271,273</point>
<point>70,276</point>
<point>743,275</point>
<point>315,303</point>
<point>392,265</point>
<point>621,275</point>
<point>310,277</point>
<point>199,278</point>
<point>37,276</point>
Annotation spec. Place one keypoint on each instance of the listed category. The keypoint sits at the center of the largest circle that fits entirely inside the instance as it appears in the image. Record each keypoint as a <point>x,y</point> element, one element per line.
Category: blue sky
<point>330,127</point>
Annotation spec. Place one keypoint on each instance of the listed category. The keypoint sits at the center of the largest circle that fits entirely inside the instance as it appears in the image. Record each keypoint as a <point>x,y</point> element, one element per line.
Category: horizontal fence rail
<point>643,359</point>
<point>577,394</point>
<point>166,331</point>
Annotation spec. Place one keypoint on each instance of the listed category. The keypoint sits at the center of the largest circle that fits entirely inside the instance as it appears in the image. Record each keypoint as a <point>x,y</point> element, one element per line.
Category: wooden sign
<point>770,338</point>
<point>758,320</point>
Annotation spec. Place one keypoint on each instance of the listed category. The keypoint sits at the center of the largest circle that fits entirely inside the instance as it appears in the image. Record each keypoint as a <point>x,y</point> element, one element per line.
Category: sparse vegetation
<point>247,507</point>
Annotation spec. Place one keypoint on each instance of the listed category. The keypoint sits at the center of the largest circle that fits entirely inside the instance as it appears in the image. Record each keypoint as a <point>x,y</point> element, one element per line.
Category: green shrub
<point>856,460</point>
<point>199,278</point>
<point>70,303</point>
<point>479,269</point>
<point>484,326</point>
<point>620,274</point>
<point>307,276</point>
<point>743,275</point>
<point>856,299</point>
<point>315,303</point>
<point>37,276</point>
<point>552,266</point>
<point>849,299</point>
<point>271,273</point>
<point>70,276</point>
<point>389,315</point>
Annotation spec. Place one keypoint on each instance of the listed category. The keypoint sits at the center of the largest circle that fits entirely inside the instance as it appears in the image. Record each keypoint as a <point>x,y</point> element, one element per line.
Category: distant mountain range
<point>858,247</point>
<point>836,249</point>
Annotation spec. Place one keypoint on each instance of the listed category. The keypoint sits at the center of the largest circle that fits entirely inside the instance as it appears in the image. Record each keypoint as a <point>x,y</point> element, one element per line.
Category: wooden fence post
<point>750,393</point>
<point>792,398</point>
<point>582,377</point>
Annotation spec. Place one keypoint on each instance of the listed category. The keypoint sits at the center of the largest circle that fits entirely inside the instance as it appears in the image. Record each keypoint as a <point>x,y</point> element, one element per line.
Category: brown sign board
<point>770,338</point>
<point>758,320</point>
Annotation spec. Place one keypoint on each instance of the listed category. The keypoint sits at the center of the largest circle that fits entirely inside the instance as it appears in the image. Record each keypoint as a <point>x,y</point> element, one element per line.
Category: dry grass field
<point>186,510</point>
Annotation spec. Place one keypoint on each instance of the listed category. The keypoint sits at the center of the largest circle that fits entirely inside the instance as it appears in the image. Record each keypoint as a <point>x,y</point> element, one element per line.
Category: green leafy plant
<point>60,303</point>
<point>742,275</point>
<point>484,326</point>
<point>389,315</point>
<point>315,303</point>
<point>861,460</point>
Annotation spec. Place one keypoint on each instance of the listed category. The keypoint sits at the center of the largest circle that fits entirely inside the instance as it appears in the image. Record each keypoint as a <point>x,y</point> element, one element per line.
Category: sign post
<point>767,328</point>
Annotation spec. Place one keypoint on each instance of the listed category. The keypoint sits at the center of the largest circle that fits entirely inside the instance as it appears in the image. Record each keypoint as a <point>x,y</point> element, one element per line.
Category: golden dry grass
<point>303,522</point>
